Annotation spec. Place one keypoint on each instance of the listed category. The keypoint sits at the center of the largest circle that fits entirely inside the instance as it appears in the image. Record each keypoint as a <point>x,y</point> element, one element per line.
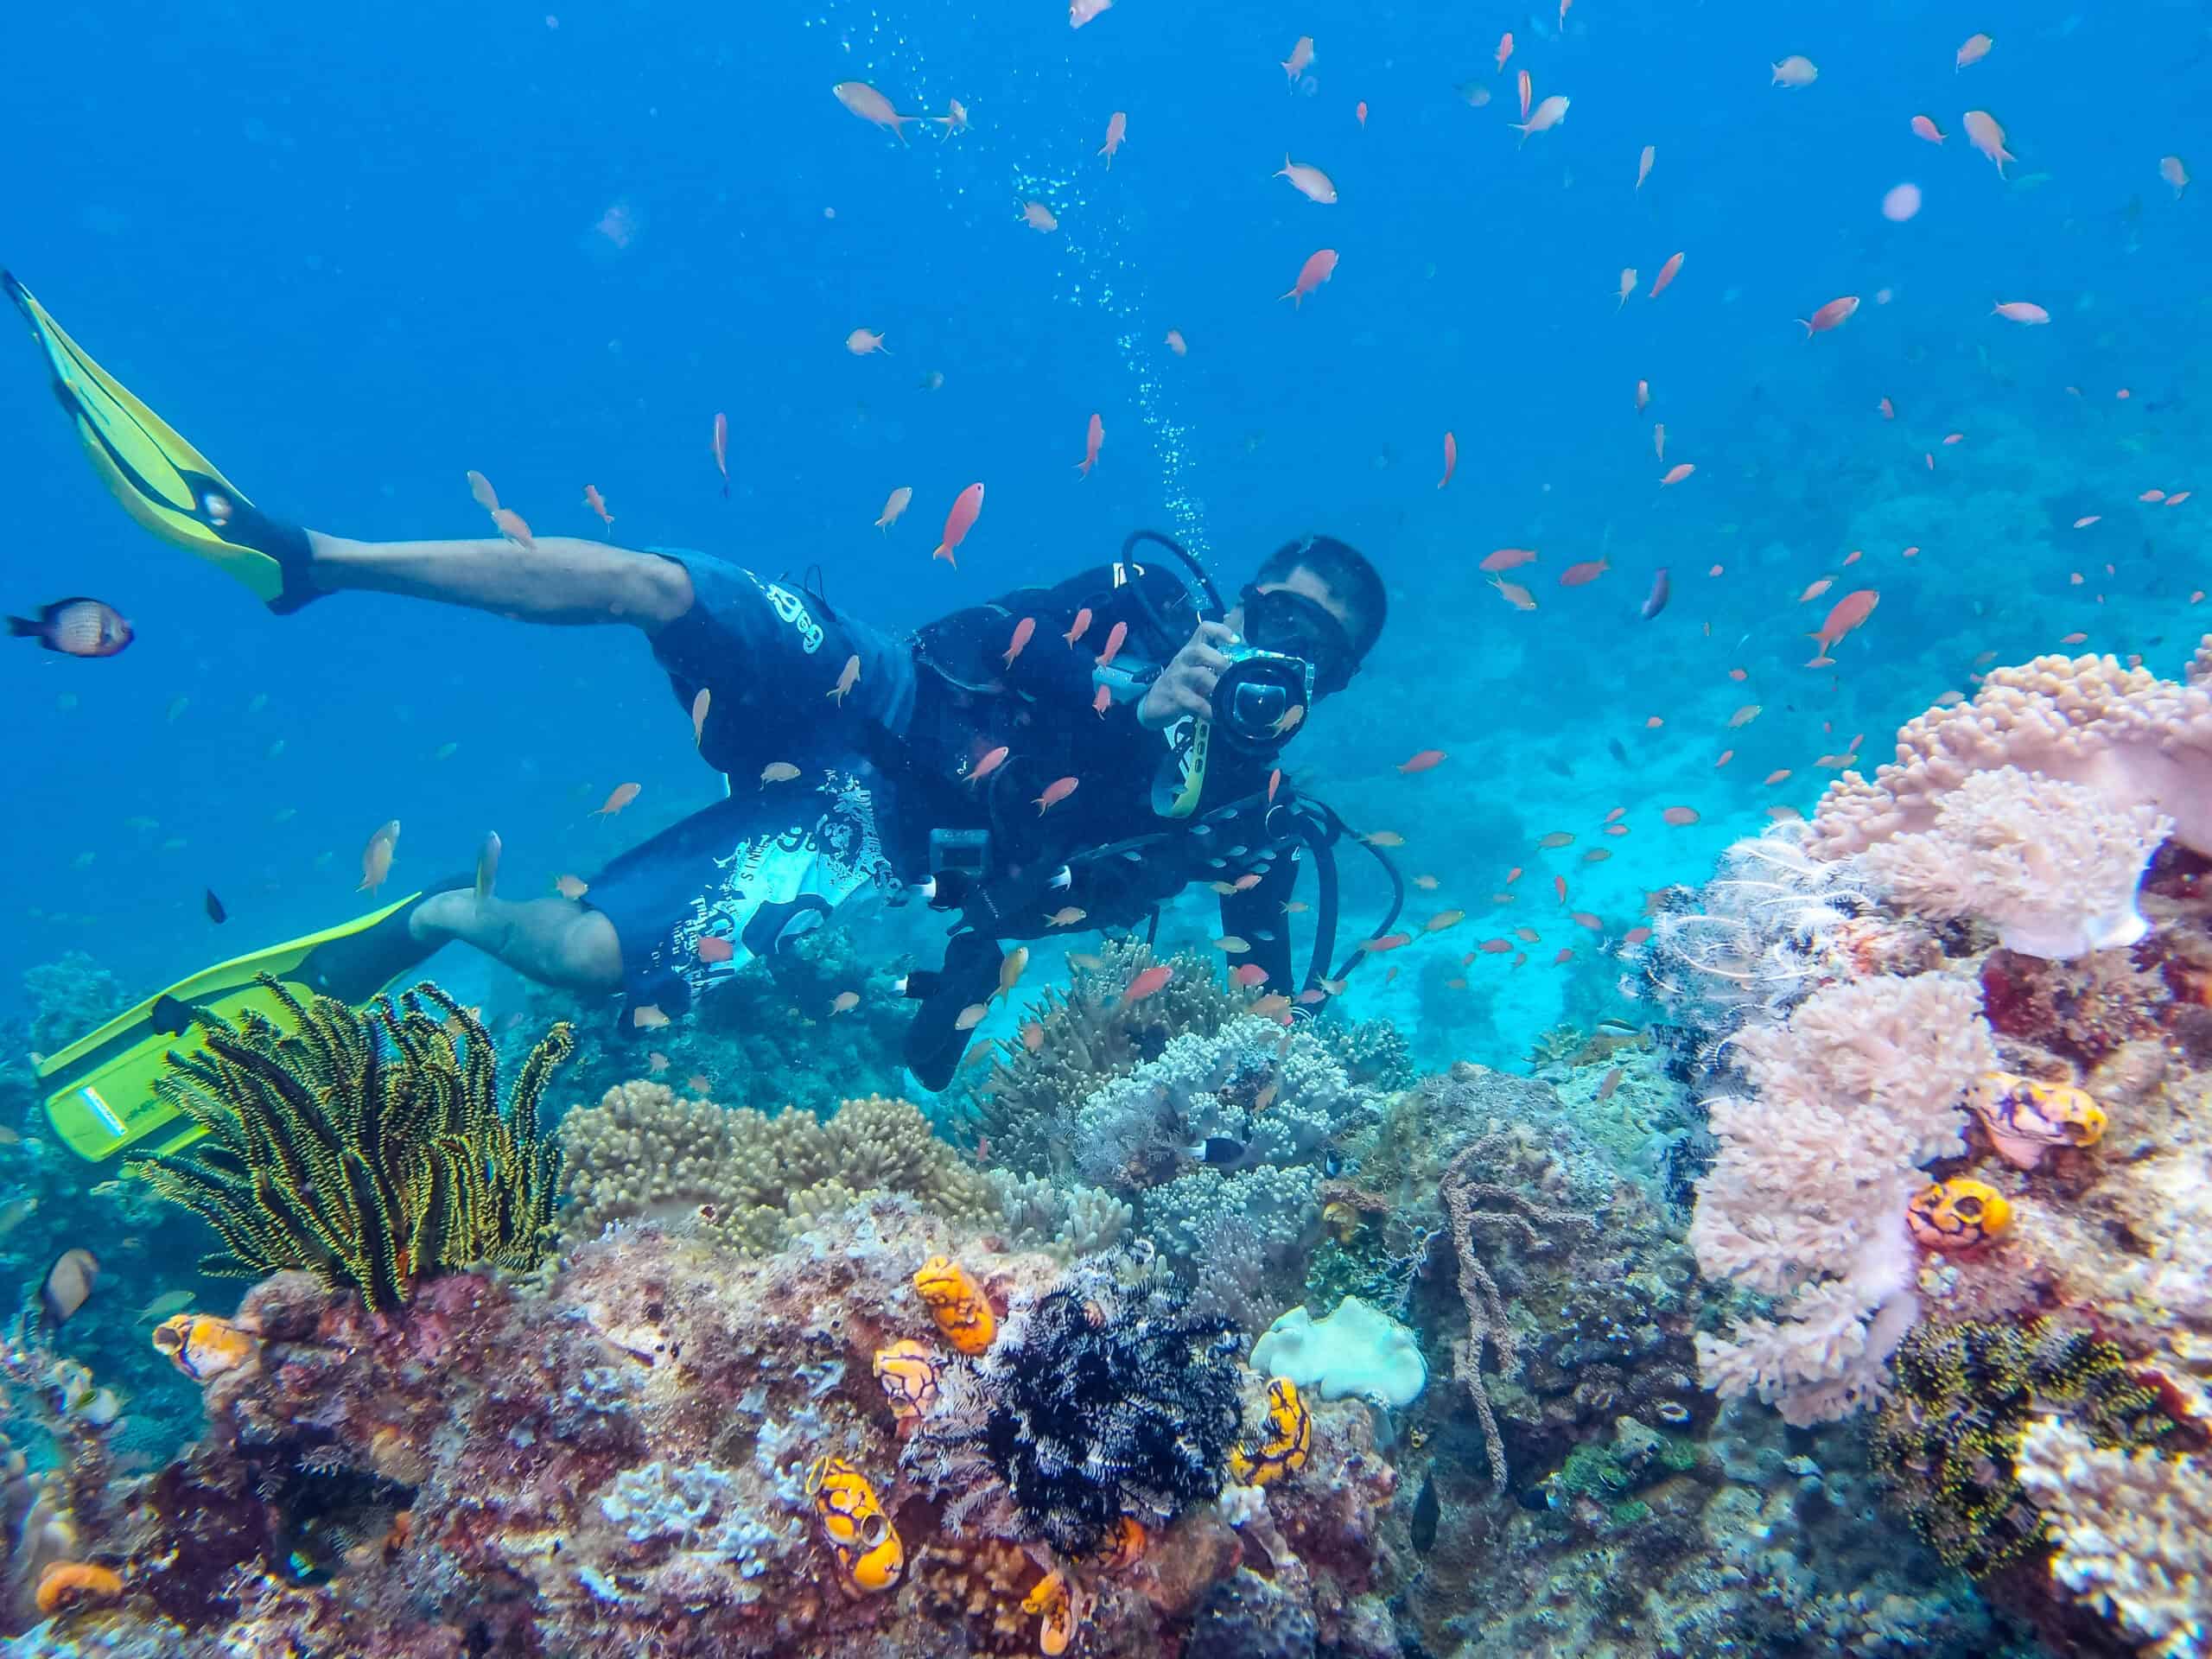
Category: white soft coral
<point>1806,1197</point>
<point>2052,866</point>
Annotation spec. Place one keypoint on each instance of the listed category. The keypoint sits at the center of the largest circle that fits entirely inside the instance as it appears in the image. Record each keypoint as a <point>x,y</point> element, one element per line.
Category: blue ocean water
<point>353,253</point>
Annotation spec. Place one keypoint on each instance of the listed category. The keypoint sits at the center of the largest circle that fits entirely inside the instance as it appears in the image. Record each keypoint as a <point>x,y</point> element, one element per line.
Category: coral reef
<point>749,1180</point>
<point>368,1147</point>
<point>2052,867</point>
<point>1948,1439</point>
<point>1806,1199</point>
<point>2131,1534</point>
<point>1077,1040</point>
<point>2136,740</point>
<point>1102,1397</point>
<point>1470,1202</point>
<point>630,1457</point>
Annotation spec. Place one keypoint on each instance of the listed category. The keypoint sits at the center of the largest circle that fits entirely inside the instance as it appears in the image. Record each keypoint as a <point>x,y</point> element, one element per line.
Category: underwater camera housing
<point>1255,695</point>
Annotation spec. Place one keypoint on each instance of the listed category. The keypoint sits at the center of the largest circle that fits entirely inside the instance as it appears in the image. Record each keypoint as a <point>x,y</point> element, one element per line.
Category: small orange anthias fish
<point>75,627</point>
<point>376,857</point>
<point>721,448</point>
<point>1848,613</point>
<point>1310,183</point>
<point>1301,55</point>
<point>2026,1118</point>
<point>620,797</point>
<point>1144,984</point>
<point>894,505</point>
<point>957,1302</point>
<point>1958,1214</point>
<point>1093,437</point>
<point>1834,314</point>
<point>860,1535</point>
<point>873,106</point>
<point>597,503</point>
<point>848,677</point>
<point>1316,270</point>
<point>201,1345</point>
<point>967,508</point>
<point>1288,1443</point>
<point>1117,126</point>
<point>1986,135</point>
<point>1666,275</point>
<point>1022,631</point>
<point>1451,459</point>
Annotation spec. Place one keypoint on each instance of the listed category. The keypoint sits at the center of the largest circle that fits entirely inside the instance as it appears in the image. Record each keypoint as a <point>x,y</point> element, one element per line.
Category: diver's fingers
<point>1206,659</point>
<point>1202,678</point>
<point>1219,634</point>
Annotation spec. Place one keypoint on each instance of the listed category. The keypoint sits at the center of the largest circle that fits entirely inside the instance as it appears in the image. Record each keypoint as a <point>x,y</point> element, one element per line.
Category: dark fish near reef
<point>76,628</point>
<point>1428,1511</point>
<point>69,1283</point>
<point>214,906</point>
<point>1218,1151</point>
<point>1655,601</point>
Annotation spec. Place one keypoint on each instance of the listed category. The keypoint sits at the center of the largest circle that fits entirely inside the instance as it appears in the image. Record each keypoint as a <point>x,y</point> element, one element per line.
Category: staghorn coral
<point>2052,867</point>
<point>2134,739</point>
<point>644,1154</point>
<point>2132,1532</point>
<point>368,1147</point>
<point>1948,1439</point>
<point>1806,1199</point>
<point>1103,1396</point>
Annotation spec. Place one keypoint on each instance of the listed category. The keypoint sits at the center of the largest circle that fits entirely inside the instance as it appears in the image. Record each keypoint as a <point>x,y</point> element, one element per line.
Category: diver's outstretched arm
<point>556,579</point>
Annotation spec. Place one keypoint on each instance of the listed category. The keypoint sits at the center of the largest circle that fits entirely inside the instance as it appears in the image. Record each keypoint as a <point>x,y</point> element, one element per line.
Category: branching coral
<point>1948,1440</point>
<point>1086,1037</point>
<point>752,1180</point>
<point>2132,1532</point>
<point>366,1146</point>
<point>2134,738</point>
<point>1102,1397</point>
<point>2053,866</point>
<point>1469,1203</point>
<point>1806,1199</point>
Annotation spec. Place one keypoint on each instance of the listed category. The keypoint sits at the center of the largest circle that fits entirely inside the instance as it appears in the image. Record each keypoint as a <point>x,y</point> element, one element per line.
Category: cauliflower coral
<point>2132,738</point>
<point>1806,1199</point>
<point>2053,866</point>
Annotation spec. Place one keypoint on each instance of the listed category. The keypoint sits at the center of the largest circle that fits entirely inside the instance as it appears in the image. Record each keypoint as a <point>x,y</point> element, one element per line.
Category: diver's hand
<point>1185,685</point>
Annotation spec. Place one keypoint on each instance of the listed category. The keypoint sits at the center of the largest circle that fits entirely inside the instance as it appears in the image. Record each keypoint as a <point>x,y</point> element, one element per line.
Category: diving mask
<point>1281,621</point>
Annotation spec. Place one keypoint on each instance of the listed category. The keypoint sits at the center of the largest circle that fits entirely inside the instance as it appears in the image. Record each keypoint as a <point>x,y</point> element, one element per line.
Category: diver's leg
<point>554,941</point>
<point>556,579</point>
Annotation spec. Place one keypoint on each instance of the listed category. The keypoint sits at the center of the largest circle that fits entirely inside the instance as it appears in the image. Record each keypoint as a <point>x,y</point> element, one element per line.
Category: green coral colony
<point>1187,1327</point>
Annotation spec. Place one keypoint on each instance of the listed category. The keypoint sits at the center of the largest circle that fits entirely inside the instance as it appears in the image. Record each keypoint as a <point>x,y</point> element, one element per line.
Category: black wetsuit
<point>891,784</point>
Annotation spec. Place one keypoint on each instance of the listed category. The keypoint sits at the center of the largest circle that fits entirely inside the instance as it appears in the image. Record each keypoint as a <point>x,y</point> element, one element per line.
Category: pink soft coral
<point>2053,866</point>
<point>1806,1199</point>
<point>2135,739</point>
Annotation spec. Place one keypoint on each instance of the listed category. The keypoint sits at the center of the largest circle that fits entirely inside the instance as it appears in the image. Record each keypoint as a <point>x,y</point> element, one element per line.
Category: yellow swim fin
<point>100,1090</point>
<point>161,480</point>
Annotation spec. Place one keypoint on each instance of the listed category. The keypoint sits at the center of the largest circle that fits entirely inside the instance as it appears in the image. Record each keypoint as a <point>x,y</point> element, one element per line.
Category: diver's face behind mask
<point>1295,649</point>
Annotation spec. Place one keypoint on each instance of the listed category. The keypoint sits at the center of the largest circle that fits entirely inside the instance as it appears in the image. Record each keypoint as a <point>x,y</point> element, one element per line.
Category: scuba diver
<point>1058,757</point>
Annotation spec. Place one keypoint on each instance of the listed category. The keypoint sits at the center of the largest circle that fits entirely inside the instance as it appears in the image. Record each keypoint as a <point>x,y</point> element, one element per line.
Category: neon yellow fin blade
<point>161,480</point>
